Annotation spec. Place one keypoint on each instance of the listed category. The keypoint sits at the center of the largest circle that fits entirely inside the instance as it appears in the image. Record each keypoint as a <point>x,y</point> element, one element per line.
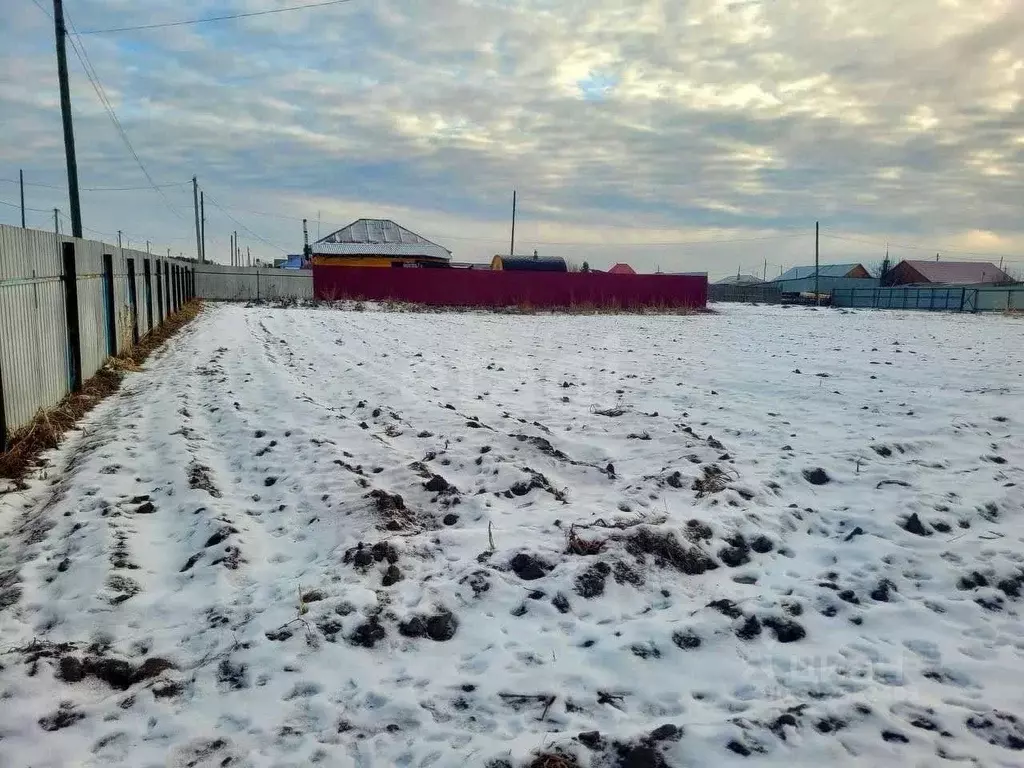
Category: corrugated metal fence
<point>216,281</point>
<point>66,305</point>
<point>953,298</point>
<point>502,288</point>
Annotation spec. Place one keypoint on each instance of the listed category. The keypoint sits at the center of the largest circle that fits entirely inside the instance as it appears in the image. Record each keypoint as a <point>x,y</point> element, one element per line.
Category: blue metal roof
<point>534,263</point>
<point>825,270</point>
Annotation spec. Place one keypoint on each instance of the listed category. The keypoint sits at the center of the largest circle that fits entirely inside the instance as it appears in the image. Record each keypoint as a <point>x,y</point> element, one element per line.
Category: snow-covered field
<point>302,537</point>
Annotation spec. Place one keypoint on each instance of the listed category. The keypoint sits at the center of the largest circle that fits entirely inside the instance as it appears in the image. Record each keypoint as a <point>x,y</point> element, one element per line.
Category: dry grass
<point>45,431</point>
<point>577,545</point>
<point>554,760</point>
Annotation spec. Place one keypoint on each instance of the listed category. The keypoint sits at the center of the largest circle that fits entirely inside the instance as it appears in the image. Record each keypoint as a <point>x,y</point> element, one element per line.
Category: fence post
<point>257,283</point>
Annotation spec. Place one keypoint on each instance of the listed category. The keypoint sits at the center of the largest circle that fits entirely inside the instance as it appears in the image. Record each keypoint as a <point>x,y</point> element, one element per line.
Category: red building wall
<point>485,288</point>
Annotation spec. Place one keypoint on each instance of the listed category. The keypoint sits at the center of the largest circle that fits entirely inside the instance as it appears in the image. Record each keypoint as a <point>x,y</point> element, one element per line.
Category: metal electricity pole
<point>61,33</point>
<point>195,209</point>
<point>21,183</point>
<point>512,244</point>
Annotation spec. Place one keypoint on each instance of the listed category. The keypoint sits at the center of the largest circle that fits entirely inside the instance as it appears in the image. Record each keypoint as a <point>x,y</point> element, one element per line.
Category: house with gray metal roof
<point>830,276</point>
<point>378,243</point>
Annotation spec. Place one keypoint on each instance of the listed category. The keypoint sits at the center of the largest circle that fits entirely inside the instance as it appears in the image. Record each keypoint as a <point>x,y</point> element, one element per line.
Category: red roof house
<point>622,269</point>
<point>912,272</point>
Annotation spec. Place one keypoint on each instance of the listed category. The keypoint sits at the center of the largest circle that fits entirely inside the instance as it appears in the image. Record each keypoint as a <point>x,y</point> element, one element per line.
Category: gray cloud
<point>714,121</point>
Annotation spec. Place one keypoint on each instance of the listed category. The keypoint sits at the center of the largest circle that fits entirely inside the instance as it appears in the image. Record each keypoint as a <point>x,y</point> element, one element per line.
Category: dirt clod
<point>590,583</point>
<point>816,476</point>
<point>914,525</point>
<point>529,567</point>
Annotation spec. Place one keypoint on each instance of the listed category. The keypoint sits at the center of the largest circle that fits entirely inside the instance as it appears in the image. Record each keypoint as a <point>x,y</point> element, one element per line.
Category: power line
<point>18,205</point>
<point>97,189</point>
<point>209,19</point>
<point>929,248</point>
<point>240,224</point>
<point>90,72</point>
<point>41,8</point>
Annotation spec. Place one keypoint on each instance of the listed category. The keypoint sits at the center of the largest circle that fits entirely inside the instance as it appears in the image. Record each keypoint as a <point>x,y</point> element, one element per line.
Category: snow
<point>211,515</point>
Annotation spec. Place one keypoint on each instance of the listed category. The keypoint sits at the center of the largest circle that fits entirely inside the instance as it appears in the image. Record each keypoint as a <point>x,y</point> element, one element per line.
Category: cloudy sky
<point>686,134</point>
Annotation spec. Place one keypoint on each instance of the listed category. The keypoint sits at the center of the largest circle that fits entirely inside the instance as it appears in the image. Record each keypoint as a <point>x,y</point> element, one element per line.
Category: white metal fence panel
<point>33,331</point>
<point>225,283</point>
<point>35,350</point>
<point>969,298</point>
<point>91,307</point>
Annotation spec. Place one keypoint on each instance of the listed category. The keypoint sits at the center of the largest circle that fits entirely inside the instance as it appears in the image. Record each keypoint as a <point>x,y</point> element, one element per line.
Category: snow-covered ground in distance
<point>299,537</point>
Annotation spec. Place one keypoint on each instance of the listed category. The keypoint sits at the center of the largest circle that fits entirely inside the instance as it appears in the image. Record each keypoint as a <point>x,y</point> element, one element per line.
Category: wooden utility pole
<point>816,238</point>
<point>248,257</point>
<point>512,245</point>
<point>195,210</point>
<point>234,260</point>
<point>231,239</point>
<point>61,33</point>
<point>21,183</point>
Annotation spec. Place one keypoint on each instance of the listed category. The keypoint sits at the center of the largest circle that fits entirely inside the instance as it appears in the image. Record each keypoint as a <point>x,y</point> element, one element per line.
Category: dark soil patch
<point>66,715</point>
<point>437,484</point>
<point>785,630</point>
<point>561,603</point>
<point>638,756</point>
<point>726,607</point>
<point>914,525</point>
<point>537,482</point>
<point>544,446</point>
<point>737,553</point>
<point>698,531</point>
<point>199,479</point>
<point>368,634</point>
<point>749,629</point>
<point>1000,728</point>
<point>894,737</point>
<point>816,476</point>
<point>392,575</point>
<point>590,583</point>
<point>625,575</point>
<point>882,591</point>
<point>688,640</point>
<point>529,567</point>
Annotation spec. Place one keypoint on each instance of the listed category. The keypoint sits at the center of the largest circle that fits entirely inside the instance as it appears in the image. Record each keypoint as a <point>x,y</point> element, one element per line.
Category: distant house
<point>533,263</point>
<point>621,269</point>
<point>378,243</point>
<point>294,261</point>
<point>825,270</point>
<point>914,272</point>
<point>739,280</point>
<point>829,277</point>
